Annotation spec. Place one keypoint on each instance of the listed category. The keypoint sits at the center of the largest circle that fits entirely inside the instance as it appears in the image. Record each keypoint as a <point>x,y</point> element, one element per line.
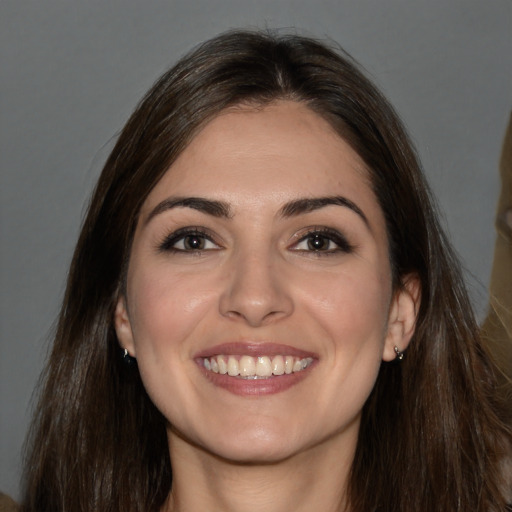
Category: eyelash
<point>168,244</point>
<point>329,235</point>
<point>322,233</point>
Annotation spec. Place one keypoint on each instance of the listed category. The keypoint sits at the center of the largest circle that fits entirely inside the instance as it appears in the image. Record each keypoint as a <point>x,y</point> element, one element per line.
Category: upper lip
<point>238,348</point>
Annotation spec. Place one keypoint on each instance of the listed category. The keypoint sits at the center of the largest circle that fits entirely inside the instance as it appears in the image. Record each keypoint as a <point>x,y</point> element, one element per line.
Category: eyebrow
<point>223,210</point>
<point>307,205</point>
<point>208,206</point>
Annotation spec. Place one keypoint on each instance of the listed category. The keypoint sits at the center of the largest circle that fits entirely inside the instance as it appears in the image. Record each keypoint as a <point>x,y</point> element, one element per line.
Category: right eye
<point>188,240</point>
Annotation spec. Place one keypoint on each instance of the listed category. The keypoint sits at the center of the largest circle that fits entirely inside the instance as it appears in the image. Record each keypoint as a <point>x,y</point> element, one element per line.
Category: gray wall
<point>72,71</point>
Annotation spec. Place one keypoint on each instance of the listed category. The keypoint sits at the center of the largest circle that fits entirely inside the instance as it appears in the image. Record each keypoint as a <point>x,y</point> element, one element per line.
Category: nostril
<point>254,317</point>
<point>255,308</point>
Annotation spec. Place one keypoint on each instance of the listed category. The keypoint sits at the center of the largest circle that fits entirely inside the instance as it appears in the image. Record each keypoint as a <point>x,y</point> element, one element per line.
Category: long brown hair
<point>433,430</point>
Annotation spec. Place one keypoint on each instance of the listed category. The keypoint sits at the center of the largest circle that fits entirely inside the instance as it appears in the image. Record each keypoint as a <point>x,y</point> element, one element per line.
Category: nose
<point>256,292</point>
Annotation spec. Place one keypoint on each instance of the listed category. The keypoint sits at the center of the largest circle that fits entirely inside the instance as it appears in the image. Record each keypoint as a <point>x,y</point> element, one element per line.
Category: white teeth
<point>297,366</point>
<point>262,367</point>
<point>247,366</point>
<point>223,367</point>
<point>278,365</point>
<point>233,367</point>
<point>288,365</point>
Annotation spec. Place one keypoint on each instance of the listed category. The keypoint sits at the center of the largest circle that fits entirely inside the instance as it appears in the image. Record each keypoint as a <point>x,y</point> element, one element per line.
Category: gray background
<point>71,72</point>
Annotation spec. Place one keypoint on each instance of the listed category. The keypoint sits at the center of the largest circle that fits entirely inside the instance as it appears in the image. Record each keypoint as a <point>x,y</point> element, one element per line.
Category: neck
<point>315,479</point>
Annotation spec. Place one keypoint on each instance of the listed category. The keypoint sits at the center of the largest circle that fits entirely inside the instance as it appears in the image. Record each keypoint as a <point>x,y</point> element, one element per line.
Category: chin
<point>254,444</point>
<point>257,453</point>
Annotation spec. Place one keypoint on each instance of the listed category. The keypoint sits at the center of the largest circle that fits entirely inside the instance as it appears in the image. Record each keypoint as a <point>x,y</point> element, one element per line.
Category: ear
<point>123,327</point>
<point>402,316</point>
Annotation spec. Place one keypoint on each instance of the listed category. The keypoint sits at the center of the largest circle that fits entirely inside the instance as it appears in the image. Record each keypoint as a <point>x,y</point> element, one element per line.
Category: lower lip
<point>255,387</point>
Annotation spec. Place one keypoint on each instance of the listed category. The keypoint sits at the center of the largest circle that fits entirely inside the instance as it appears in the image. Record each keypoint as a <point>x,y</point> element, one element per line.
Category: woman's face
<point>259,302</point>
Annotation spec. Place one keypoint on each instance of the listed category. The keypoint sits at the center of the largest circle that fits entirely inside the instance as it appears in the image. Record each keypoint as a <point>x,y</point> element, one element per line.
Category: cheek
<point>351,306</point>
<point>166,308</point>
<point>167,312</point>
<point>352,314</point>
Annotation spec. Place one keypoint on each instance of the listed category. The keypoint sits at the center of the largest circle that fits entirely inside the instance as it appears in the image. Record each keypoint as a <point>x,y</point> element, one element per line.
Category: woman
<point>262,310</point>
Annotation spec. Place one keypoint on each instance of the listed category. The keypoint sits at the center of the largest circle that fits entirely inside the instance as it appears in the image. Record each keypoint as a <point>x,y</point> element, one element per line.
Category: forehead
<point>273,151</point>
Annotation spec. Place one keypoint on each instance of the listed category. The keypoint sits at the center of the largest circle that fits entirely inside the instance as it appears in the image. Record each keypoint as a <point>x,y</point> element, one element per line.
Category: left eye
<point>322,242</point>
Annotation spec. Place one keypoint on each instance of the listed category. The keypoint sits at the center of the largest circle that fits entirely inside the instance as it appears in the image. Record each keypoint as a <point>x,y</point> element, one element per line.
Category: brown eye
<point>194,243</point>
<point>188,240</point>
<point>318,242</point>
<point>323,241</point>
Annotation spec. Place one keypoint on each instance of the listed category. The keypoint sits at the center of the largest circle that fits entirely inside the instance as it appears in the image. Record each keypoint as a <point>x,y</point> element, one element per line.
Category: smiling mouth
<point>260,367</point>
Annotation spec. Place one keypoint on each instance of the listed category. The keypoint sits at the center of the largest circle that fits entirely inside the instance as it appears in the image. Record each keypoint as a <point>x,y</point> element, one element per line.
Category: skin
<point>258,280</point>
